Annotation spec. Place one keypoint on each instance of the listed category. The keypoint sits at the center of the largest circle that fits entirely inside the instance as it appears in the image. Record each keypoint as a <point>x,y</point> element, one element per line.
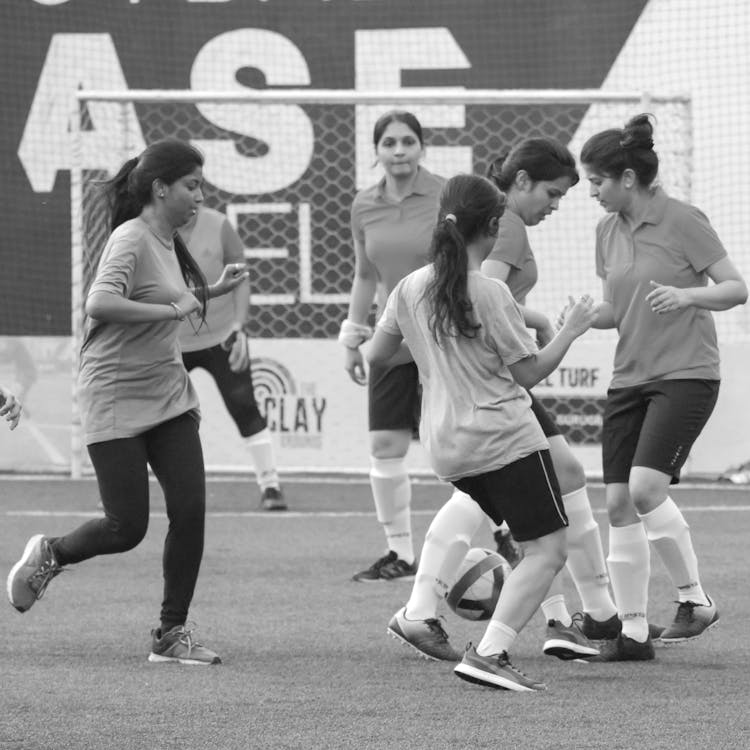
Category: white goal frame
<point>408,97</point>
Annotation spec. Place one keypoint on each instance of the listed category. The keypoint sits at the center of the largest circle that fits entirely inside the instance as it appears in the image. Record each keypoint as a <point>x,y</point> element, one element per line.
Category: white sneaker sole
<point>567,650</point>
<point>480,677</point>
<point>159,659</point>
<point>30,545</point>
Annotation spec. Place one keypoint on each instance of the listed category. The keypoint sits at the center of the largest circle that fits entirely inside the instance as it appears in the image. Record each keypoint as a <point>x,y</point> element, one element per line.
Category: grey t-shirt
<point>131,375</point>
<point>475,417</point>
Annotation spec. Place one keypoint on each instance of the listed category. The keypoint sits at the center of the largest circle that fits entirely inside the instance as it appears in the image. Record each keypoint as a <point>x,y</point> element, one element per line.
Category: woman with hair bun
<point>138,406</point>
<point>655,256</point>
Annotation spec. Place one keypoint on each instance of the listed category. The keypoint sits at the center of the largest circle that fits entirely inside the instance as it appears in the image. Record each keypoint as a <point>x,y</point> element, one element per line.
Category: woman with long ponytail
<point>138,406</point>
<point>475,358</point>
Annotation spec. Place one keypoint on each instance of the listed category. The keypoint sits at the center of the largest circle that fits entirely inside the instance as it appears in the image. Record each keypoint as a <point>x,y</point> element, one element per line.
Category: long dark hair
<point>543,159</point>
<point>467,204</point>
<point>130,190</point>
<point>613,151</point>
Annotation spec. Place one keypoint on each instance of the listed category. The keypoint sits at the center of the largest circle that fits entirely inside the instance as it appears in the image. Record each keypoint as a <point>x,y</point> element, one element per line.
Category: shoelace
<point>686,611</point>
<point>40,579</point>
<point>378,564</point>
<point>504,659</point>
<point>437,628</point>
<point>186,638</point>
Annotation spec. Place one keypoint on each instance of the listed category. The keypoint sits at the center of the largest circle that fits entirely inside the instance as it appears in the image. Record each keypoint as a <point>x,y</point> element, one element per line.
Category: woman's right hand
<point>579,315</point>
<point>354,364</point>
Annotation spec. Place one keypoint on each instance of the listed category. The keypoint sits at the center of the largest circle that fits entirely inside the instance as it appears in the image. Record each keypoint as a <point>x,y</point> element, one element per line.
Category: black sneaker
<point>387,568</point>
<point>607,630</point>
<point>508,547</point>
<point>272,499</point>
<point>623,648</point>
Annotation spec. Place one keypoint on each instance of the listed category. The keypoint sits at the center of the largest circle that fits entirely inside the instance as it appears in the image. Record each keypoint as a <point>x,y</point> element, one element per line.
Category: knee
<point>129,534</point>
<point>389,444</point>
<point>570,475</point>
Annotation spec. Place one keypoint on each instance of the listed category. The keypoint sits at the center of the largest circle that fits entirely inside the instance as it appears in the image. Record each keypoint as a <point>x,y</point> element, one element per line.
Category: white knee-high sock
<point>391,491</point>
<point>669,532</point>
<point>586,563</point>
<point>445,546</point>
<point>629,568</point>
<point>261,451</point>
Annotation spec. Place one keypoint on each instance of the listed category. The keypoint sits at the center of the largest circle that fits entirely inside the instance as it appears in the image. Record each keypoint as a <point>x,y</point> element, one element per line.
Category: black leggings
<point>173,449</point>
<point>236,388</point>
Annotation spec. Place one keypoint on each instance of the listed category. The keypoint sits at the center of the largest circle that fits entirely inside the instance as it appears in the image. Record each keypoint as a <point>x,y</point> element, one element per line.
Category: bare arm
<point>728,290</point>
<point>388,348</point>
<point>362,296</point>
<point>578,319</point>
<point>113,308</point>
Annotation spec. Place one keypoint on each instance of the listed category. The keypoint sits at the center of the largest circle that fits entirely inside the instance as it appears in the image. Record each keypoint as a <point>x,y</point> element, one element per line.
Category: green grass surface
<point>307,663</point>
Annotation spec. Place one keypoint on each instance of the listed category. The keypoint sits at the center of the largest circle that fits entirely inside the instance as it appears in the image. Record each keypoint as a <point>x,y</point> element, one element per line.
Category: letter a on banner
<point>73,62</point>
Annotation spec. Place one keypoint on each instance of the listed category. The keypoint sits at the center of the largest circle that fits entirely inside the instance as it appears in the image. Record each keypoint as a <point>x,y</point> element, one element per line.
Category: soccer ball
<point>478,583</point>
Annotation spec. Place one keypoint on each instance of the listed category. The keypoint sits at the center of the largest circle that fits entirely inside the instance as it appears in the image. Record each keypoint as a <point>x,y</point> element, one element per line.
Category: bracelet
<point>178,314</point>
<point>352,334</point>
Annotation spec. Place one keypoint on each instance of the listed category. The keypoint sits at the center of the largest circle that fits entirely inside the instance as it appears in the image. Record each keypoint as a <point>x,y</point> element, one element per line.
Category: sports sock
<point>629,564</point>
<point>586,563</point>
<point>669,532</point>
<point>391,491</point>
<point>554,608</point>
<point>261,451</point>
<point>446,543</point>
<point>497,638</point>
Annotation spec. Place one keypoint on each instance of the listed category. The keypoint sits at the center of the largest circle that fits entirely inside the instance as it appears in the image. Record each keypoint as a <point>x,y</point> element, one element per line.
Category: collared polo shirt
<point>396,236</point>
<point>512,247</point>
<point>673,245</point>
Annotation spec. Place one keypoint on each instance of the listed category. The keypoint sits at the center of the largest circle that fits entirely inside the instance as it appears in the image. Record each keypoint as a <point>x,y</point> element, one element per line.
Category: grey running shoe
<point>623,648</point>
<point>690,621</point>
<point>30,576</point>
<point>606,630</point>
<point>177,645</point>
<point>567,642</point>
<point>272,498</point>
<point>494,671</point>
<point>387,568</point>
<point>508,547</point>
<point>426,637</point>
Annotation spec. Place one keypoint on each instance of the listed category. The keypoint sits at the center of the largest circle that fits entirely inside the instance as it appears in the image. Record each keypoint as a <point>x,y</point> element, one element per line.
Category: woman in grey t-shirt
<point>138,406</point>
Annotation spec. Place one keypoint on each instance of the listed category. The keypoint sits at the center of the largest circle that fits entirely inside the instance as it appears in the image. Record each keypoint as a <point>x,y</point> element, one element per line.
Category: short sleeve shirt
<point>673,245</point>
<point>396,236</point>
<point>211,254</point>
<point>512,247</point>
<point>475,417</point>
<point>131,376</point>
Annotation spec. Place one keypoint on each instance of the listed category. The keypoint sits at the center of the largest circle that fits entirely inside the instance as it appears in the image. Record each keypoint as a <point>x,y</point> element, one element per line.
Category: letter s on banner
<point>284,128</point>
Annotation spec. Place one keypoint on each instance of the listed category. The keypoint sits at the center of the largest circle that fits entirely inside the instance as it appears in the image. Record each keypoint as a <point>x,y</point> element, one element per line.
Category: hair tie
<point>451,218</point>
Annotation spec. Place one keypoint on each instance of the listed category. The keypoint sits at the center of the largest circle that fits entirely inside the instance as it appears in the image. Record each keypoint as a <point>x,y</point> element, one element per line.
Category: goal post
<point>284,166</point>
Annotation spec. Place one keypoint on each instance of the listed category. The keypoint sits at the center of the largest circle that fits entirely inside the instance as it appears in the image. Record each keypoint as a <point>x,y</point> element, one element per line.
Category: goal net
<point>284,166</point>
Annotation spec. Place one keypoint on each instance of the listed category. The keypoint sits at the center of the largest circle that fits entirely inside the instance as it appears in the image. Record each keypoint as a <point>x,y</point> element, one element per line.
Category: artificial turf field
<point>306,660</point>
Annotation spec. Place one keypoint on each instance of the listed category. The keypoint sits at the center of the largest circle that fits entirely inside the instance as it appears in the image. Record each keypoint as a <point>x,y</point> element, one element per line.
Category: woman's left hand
<point>231,277</point>
<point>10,407</point>
<point>666,299</point>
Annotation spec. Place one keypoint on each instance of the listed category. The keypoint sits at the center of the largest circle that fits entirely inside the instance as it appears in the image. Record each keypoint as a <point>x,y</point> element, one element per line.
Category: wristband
<point>178,314</point>
<point>352,334</point>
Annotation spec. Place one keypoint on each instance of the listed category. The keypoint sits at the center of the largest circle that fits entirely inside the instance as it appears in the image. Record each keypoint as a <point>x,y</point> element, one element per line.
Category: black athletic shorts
<point>394,401</point>
<point>524,494</point>
<point>654,425</point>
<point>546,422</point>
